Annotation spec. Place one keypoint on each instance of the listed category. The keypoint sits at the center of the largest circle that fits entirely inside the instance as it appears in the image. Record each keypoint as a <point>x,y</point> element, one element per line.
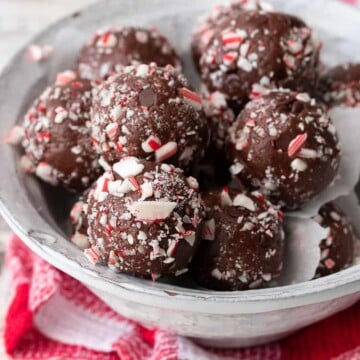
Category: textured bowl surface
<point>38,213</point>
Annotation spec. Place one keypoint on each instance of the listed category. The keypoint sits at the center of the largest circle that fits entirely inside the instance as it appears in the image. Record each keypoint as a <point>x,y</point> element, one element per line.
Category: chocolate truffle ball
<point>337,249</point>
<point>219,19</point>
<point>56,138</point>
<point>257,51</point>
<point>243,241</point>
<point>285,145</point>
<point>340,85</point>
<point>110,50</point>
<point>149,112</point>
<point>144,219</point>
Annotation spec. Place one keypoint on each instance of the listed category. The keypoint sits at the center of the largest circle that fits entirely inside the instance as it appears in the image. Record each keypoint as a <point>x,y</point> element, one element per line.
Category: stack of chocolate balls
<point>126,132</point>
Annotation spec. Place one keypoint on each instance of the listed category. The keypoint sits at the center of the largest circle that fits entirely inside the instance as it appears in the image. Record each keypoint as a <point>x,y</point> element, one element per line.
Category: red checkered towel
<point>53,316</point>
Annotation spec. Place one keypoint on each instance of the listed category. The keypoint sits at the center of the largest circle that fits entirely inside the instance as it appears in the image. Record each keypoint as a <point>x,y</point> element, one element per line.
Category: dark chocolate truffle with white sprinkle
<point>112,49</point>
<point>144,219</point>
<point>149,112</point>
<point>285,145</point>
<point>56,139</point>
<point>337,249</point>
<point>340,85</point>
<point>243,241</point>
<point>257,51</point>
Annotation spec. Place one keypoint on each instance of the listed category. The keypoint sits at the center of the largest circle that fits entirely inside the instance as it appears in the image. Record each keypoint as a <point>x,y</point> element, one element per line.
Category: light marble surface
<point>19,21</point>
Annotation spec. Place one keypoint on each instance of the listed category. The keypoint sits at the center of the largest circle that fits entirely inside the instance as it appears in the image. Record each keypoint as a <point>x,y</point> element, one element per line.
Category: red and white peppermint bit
<point>76,212</point>
<point>244,201</point>
<point>92,254</point>
<point>166,151</point>
<point>229,58</point>
<point>173,244</point>
<point>119,147</point>
<point>107,40</point>
<point>128,167</point>
<point>151,144</point>
<point>152,210</point>
<point>231,39</point>
<point>80,240</point>
<point>65,77</point>
<point>134,185</point>
<point>191,97</point>
<point>280,215</point>
<point>296,144</point>
<point>193,183</point>
<point>112,130</point>
<point>155,277</point>
<point>15,135</point>
<point>38,53</point>
<point>26,165</point>
<point>329,263</point>
<point>61,115</point>
<point>45,172</point>
<point>208,230</point>
<point>225,199</point>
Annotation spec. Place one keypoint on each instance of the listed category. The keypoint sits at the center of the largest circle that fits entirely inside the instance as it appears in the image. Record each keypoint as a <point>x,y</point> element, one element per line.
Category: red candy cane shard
<point>92,254</point>
<point>65,77</point>
<point>151,144</point>
<point>134,185</point>
<point>208,230</point>
<point>296,144</point>
<point>166,151</point>
<point>192,98</point>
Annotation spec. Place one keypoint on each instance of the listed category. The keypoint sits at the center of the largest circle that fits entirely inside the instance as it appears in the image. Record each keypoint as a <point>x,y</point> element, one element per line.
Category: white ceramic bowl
<point>37,212</point>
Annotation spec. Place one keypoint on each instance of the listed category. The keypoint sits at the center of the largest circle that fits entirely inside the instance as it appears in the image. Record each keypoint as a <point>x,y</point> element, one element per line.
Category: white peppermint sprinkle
<point>128,167</point>
<point>244,201</point>
<point>298,165</point>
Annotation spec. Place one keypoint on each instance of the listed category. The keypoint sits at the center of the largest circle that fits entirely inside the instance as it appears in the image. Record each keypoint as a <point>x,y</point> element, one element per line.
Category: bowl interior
<point>38,213</point>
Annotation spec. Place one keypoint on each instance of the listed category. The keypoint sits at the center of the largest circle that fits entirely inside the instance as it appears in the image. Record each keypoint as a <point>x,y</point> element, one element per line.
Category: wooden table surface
<point>19,21</point>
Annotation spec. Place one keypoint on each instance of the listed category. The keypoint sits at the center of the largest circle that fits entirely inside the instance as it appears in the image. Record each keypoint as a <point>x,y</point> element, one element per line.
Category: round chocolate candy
<point>112,49</point>
<point>285,145</point>
<point>149,112</point>
<point>144,219</point>
<point>243,241</point>
<point>257,51</point>
<point>56,139</point>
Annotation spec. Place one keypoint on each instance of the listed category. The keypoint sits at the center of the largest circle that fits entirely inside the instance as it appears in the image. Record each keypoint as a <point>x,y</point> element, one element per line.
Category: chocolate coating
<point>337,249</point>
<point>340,85</point>
<point>285,145</point>
<point>243,241</point>
<point>149,112</point>
<point>218,20</point>
<point>144,218</point>
<point>257,51</point>
<point>57,140</point>
<point>112,49</point>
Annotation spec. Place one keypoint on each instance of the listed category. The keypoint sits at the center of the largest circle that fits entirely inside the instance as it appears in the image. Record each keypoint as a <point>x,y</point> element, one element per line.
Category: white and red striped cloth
<point>53,316</point>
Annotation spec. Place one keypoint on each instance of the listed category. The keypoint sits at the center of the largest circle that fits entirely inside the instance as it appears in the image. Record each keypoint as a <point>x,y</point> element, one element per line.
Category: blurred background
<point>20,20</point>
